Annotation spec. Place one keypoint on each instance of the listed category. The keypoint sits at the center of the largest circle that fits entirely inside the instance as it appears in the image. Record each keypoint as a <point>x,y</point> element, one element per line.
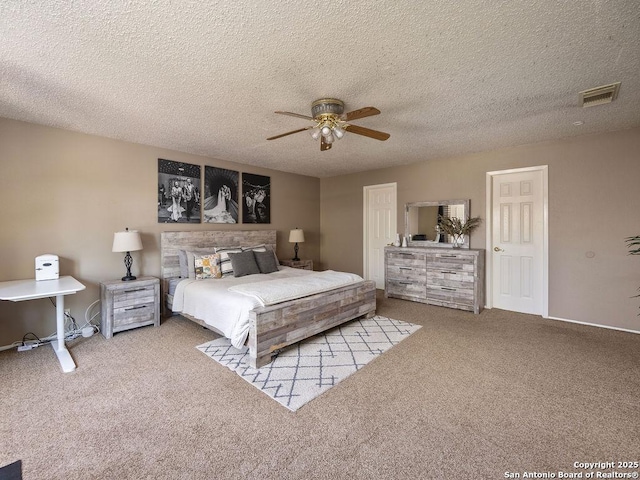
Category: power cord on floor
<point>71,330</point>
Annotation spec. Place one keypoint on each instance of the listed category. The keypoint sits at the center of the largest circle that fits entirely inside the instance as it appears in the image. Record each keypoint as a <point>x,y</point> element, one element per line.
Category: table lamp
<point>127,241</point>
<point>296,236</point>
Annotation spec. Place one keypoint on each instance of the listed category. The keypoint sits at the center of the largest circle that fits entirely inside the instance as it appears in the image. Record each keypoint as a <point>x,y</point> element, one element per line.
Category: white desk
<point>19,290</point>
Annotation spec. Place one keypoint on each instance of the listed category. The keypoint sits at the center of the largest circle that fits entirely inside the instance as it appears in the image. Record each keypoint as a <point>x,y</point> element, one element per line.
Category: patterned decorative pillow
<point>191,255</point>
<point>207,266</point>
<point>225,262</point>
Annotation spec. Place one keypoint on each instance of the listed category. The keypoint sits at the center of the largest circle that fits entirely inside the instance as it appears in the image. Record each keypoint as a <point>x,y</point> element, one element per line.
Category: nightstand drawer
<point>134,296</point>
<point>301,264</point>
<point>135,314</point>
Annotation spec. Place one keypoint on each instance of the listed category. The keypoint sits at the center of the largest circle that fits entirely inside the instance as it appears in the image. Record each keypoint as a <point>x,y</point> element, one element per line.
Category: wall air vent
<point>599,95</point>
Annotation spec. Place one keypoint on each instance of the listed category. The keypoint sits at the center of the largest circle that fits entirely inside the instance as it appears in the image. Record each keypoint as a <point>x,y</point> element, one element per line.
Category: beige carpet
<point>466,397</point>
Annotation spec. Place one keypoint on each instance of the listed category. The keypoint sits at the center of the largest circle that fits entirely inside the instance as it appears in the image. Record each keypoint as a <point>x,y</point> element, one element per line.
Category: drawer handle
<point>453,273</point>
<point>405,254</point>
<point>406,268</point>
<point>450,289</point>
<point>405,283</point>
<point>135,290</point>
<point>448,256</point>
<point>135,308</point>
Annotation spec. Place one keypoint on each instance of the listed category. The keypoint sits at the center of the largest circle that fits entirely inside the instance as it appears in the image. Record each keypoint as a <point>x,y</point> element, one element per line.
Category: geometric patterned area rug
<point>303,371</point>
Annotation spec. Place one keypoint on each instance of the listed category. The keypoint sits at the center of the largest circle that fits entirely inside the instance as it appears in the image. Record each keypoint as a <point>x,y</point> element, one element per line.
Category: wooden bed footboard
<point>277,326</point>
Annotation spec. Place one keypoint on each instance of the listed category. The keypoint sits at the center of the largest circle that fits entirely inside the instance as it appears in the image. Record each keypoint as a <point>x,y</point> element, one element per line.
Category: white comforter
<point>215,302</point>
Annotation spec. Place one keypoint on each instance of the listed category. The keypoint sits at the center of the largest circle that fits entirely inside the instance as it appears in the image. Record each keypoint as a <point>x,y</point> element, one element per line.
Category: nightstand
<point>131,304</point>
<point>302,264</point>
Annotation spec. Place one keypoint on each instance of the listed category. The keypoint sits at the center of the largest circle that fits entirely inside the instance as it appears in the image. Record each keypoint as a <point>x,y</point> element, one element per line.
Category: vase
<point>397,243</point>
<point>458,240</point>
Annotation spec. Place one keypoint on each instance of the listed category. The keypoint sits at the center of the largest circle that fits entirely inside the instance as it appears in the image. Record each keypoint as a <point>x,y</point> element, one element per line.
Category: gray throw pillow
<point>243,263</point>
<point>266,262</point>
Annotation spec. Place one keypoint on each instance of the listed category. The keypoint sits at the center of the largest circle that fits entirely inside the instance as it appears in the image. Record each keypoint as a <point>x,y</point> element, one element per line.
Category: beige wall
<point>594,203</point>
<point>66,193</point>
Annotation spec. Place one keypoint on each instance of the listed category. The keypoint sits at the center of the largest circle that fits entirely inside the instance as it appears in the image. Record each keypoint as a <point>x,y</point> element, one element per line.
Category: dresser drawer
<point>453,262</point>
<point>416,274</point>
<point>450,278</point>
<point>407,288</point>
<point>406,259</point>
<point>451,294</point>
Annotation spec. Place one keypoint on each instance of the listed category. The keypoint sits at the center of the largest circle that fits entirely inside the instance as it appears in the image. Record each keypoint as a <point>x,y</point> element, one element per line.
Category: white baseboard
<point>609,327</point>
<point>594,325</point>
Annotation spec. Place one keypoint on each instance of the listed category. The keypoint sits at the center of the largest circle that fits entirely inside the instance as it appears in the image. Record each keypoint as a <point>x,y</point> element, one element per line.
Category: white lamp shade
<point>128,241</point>
<point>296,236</point>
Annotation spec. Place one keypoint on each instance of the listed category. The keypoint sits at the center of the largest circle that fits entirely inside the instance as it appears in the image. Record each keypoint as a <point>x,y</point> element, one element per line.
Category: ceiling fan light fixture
<point>331,123</point>
<point>331,106</point>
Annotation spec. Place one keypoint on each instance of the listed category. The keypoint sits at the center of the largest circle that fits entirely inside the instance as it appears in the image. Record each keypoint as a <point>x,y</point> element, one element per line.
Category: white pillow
<point>225,262</point>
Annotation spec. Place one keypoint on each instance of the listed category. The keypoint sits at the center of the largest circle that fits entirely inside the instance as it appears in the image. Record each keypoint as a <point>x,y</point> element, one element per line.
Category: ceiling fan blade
<point>367,132</point>
<point>361,113</point>
<point>306,117</point>
<point>324,145</point>
<point>289,133</point>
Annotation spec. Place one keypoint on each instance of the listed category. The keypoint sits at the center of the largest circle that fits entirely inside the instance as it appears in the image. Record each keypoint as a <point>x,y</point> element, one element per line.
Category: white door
<point>518,240</point>
<point>380,227</point>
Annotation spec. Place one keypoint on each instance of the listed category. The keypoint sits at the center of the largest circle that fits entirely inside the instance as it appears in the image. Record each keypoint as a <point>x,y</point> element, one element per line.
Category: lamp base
<point>128,261</point>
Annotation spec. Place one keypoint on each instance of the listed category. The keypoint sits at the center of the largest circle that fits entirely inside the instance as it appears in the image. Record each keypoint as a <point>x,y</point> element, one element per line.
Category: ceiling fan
<point>330,123</point>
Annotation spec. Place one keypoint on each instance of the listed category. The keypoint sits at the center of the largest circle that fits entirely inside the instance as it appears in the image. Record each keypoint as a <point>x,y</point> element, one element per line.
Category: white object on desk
<point>47,267</point>
<point>19,290</point>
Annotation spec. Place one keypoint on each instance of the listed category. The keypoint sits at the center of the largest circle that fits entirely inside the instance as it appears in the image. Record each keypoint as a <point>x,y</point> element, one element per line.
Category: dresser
<point>131,304</point>
<point>451,278</point>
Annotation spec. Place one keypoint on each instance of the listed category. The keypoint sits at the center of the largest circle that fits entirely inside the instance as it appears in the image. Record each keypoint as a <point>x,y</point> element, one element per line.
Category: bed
<point>270,327</point>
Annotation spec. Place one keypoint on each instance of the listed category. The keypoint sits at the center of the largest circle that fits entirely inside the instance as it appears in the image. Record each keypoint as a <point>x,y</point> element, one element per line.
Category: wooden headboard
<point>171,242</point>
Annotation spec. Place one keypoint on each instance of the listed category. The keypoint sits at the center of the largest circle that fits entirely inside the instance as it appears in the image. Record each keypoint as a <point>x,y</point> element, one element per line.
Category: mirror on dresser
<point>421,222</point>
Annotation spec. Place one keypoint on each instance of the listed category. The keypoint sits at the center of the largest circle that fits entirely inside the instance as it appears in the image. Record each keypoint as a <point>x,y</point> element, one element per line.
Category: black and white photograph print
<point>256,195</point>
<point>178,192</point>
<point>220,195</point>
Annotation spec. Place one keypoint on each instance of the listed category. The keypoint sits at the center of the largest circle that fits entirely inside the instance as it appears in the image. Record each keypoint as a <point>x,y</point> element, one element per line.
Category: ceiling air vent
<point>599,95</point>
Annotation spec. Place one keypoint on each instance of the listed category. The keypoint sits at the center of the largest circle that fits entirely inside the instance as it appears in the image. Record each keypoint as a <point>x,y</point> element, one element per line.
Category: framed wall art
<point>220,204</point>
<point>256,196</point>
<point>178,192</point>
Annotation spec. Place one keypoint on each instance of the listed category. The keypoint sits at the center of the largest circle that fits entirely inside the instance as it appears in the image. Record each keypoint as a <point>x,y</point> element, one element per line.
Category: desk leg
<point>67,363</point>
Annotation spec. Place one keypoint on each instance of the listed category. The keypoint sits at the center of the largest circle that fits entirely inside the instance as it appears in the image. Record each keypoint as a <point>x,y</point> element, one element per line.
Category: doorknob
<point>498,249</point>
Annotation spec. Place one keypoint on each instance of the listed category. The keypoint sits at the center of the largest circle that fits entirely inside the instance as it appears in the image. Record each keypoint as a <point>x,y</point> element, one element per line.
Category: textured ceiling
<point>205,77</point>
